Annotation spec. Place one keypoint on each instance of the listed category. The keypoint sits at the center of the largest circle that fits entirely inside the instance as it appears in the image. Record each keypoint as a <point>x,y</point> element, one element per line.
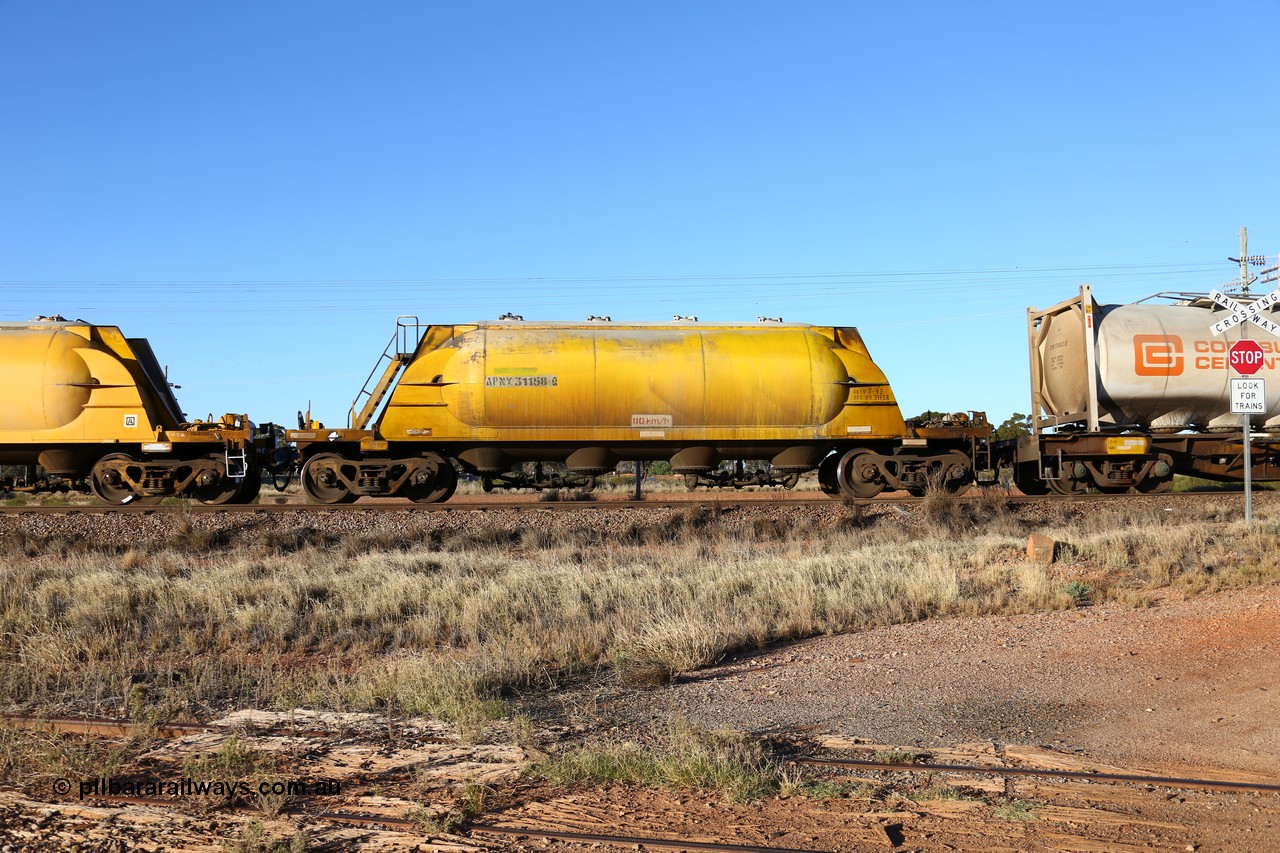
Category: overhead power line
<point>617,279</point>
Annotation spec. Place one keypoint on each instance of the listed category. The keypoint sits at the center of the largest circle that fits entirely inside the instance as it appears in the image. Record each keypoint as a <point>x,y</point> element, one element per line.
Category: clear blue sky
<point>260,188</point>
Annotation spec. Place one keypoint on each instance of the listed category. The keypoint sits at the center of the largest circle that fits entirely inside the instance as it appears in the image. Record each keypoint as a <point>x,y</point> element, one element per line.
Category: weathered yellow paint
<point>74,383</point>
<point>592,382</point>
<point>42,376</point>
<point>1127,445</point>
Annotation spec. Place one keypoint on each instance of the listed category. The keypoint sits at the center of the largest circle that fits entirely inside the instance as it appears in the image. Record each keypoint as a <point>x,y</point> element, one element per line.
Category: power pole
<point>1245,260</point>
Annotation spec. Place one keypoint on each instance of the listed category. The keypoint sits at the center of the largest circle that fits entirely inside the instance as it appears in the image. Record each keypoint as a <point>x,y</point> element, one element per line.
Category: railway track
<point>1047,773</point>
<point>497,827</point>
<point>392,505</point>
<point>97,727</point>
<point>416,827</point>
<point>118,728</point>
<point>115,727</point>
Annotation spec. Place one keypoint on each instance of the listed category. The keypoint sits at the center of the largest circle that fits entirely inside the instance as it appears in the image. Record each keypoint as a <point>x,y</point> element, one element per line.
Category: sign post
<point>1245,356</point>
<point>1248,398</point>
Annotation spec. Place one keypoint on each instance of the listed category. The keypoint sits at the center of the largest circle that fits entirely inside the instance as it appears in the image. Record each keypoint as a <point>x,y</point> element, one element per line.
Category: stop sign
<point>1245,357</point>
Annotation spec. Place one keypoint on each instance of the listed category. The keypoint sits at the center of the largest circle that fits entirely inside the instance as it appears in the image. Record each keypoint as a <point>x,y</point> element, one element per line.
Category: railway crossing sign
<point>1240,312</point>
<point>1245,358</point>
<point>1248,396</point>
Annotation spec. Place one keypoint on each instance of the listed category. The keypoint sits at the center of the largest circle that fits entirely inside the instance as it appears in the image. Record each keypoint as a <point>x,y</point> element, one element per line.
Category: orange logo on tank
<point>1157,355</point>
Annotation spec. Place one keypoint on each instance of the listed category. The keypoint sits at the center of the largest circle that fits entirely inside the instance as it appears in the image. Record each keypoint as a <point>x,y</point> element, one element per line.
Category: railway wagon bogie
<point>864,472</point>
<point>494,399</point>
<point>335,474</point>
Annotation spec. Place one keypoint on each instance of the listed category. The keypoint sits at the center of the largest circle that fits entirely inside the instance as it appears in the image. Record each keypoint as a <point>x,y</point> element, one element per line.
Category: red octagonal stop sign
<point>1245,357</point>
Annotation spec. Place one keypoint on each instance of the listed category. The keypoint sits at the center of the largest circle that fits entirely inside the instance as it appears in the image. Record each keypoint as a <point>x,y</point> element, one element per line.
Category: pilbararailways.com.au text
<point>106,786</point>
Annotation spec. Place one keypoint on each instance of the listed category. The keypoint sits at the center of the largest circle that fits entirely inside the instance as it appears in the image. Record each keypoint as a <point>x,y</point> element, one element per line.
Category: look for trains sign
<point>1245,357</point>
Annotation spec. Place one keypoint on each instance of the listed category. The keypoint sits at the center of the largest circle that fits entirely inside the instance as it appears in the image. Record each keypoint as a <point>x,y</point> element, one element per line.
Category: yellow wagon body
<point>492,397</point>
<point>94,408</point>
<point>598,384</point>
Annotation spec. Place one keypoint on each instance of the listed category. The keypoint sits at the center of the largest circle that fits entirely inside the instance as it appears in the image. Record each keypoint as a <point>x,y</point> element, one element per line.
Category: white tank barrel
<point>1158,365</point>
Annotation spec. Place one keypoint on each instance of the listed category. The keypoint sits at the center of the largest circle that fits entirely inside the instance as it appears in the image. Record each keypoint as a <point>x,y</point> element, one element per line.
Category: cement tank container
<point>72,387</point>
<point>606,377</point>
<point>45,379</point>
<point>1152,365</point>
<point>580,383</point>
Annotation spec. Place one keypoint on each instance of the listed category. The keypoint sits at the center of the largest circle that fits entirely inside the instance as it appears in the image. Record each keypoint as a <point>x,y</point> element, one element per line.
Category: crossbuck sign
<point>1241,312</point>
<point>1248,396</point>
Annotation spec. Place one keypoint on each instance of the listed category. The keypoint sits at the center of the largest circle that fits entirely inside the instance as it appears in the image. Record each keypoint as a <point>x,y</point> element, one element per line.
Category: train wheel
<point>440,487</point>
<point>106,483</point>
<point>953,475</point>
<point>828,475</point>
<point>1067,488</point>
<point>856,472</point>
<point>321,482</point>
<point>220,491</point>
<point>1024,477</point>
<point>250,486</point>
<point>1154,485</point>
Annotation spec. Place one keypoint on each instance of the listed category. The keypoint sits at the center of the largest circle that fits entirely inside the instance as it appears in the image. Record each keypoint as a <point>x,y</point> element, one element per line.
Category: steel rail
<point>400,823</point>
<point>103,726</point>
<point>634,842</point>
<point>106,726</point>
<point>406,507</point>
<point>1159,781</point>
<point>116,727</point>
<point>394,505</point>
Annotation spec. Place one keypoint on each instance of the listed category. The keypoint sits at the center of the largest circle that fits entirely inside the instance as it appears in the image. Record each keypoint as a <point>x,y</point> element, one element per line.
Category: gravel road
<point>1187,686</point>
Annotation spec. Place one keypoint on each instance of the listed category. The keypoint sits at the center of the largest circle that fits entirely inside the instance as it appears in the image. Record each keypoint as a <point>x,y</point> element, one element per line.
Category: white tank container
<point>1158,365</point>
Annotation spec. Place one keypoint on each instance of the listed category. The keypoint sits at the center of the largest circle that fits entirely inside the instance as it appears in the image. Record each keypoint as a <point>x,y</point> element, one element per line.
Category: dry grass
<point>422,623</point>
<point>680,756</point>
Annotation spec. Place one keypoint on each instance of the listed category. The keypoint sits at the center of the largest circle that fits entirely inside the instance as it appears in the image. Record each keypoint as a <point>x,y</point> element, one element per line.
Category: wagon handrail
<point>398,352</point>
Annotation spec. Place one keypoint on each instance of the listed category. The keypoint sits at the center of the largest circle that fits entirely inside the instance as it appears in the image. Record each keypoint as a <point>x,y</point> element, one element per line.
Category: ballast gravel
<point>167,528</point>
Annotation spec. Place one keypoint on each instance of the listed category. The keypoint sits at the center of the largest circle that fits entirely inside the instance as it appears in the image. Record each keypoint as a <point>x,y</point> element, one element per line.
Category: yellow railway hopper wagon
<point>94,410</point>
<point>492,397</point>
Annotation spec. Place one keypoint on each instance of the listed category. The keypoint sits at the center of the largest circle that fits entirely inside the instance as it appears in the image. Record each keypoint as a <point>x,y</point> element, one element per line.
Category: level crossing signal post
<point>1248,398</point>
<point>1246,356</point>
